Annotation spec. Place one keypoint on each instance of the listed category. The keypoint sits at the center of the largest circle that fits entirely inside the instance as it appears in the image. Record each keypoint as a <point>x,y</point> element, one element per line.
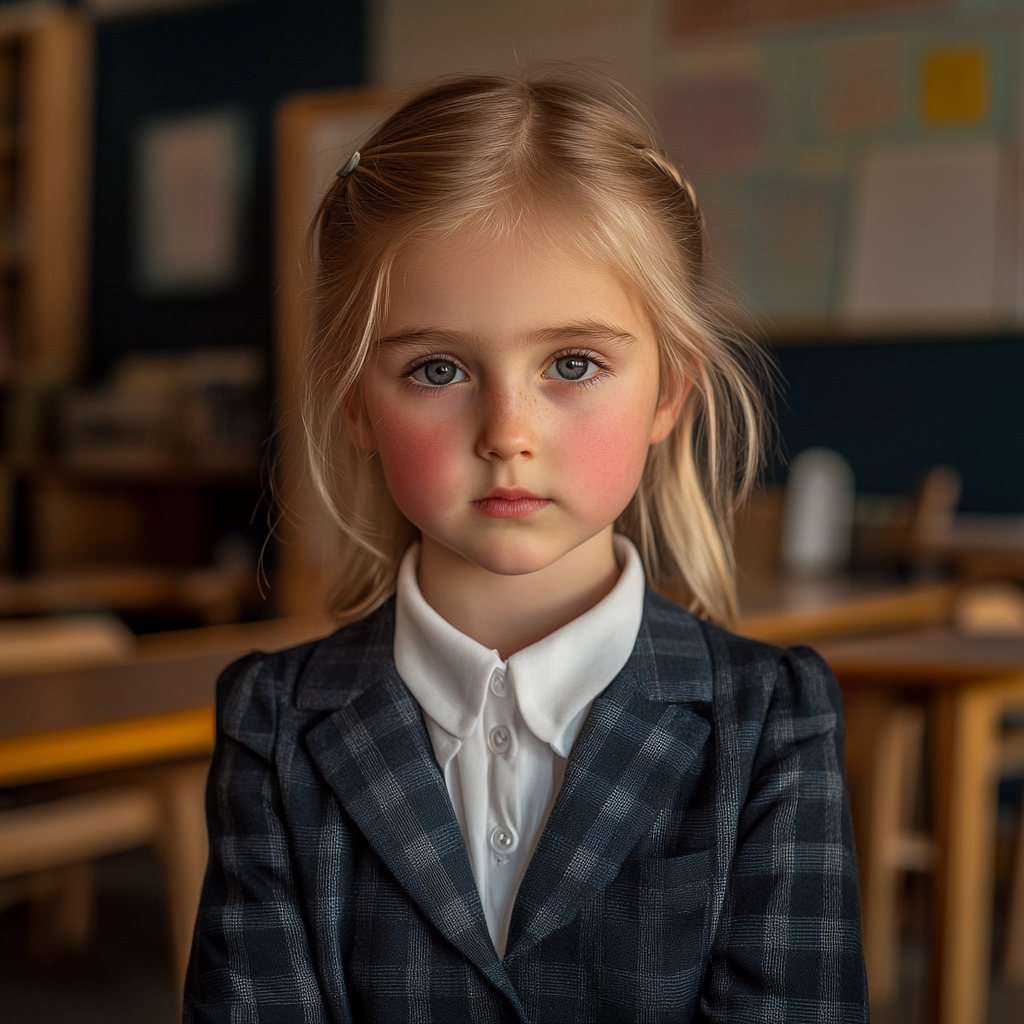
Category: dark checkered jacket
<point>697,865</point>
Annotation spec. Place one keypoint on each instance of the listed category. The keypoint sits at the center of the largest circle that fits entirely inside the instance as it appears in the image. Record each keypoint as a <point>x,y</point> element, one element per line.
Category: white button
<point>504,839</point>
<point>500,739</point>
<point>498,685</point>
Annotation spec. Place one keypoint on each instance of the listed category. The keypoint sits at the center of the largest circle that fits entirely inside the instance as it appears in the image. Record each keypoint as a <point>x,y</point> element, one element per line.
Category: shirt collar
<point>554,680</point>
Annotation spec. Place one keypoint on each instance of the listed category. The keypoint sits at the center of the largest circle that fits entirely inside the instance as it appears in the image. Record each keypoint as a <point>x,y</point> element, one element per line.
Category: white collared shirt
<point>502,730</point>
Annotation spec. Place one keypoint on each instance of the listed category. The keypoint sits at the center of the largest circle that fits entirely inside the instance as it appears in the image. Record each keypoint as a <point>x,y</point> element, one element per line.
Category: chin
<point>513,559</point>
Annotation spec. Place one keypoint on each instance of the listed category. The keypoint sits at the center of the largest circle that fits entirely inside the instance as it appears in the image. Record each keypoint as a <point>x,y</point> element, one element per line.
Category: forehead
<point>510,282</point>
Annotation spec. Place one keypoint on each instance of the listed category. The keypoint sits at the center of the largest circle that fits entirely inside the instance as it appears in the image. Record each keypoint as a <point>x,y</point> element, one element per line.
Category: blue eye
<point>572,368</point>
<point>438,372</point>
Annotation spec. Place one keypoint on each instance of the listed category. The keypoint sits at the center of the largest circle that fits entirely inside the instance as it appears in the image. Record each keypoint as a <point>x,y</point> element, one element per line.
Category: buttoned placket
<point>503,813</point>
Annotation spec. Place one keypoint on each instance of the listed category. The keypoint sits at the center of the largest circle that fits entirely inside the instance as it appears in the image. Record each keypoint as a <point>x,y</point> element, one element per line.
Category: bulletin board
<point>860,176</point>
<point>315,135</point>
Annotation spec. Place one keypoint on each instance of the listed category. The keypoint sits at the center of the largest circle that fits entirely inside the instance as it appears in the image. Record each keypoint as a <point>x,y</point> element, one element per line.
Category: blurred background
<point>861,166</point>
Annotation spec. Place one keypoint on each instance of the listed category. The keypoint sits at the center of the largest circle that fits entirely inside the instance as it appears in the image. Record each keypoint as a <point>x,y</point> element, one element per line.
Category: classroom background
<point>861,167</point>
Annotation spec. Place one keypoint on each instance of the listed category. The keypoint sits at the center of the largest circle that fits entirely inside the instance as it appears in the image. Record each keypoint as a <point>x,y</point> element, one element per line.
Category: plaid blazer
<point>697,866</point>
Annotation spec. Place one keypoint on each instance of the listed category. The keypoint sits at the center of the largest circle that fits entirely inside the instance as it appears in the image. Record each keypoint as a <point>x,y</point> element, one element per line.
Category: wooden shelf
<point>212,594</point>
<point>169,473</point>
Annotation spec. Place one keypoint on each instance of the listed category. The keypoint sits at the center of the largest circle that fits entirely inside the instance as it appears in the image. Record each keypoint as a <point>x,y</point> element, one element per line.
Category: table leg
<point>885,742</point>
<point>965,734</point>
<point>61,906</point>
<point>874,762</point>
<point>184,847</point>
<point>1013,956</point>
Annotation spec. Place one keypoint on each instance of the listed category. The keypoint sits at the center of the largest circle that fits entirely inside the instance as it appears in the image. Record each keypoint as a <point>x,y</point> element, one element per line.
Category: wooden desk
<point>985,546</point>
<point>214,593</point>
<point>785,610</point>
<point>968,684</point>
<point>156,707</point>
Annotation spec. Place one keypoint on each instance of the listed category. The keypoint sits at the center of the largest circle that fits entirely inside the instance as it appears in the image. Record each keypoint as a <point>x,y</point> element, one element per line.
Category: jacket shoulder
<point>695,658</point>
<point>321,674</point>
<point>744,673</point>
<point>794,684</point>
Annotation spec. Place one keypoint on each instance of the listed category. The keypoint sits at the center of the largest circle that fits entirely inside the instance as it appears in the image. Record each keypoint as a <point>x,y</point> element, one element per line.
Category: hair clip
<point>350,165</point>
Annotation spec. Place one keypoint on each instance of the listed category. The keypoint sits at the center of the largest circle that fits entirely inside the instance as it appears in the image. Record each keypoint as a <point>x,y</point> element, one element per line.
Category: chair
<point>885,759</point>
<point>1013,949</point>
<point>47,850</point>
<point>884,790</point>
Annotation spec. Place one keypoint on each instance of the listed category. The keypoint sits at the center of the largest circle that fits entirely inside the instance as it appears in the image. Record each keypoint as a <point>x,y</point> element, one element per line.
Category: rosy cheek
<point>420,464</point>
<point>609,452</point>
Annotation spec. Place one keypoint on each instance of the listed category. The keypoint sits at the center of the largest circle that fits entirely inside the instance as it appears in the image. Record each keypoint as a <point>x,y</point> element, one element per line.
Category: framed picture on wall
<point>192,183</point>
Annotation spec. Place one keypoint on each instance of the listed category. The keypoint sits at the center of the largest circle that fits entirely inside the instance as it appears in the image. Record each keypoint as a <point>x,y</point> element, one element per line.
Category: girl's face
<point>513,399</point>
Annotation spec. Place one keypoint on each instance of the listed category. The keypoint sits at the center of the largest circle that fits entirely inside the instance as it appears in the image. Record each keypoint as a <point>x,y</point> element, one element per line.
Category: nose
<point>506,427</point>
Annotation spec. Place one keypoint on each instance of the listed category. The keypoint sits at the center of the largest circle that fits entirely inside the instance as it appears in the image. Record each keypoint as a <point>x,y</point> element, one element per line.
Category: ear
<point>360,429</point>
<point>670,405</point>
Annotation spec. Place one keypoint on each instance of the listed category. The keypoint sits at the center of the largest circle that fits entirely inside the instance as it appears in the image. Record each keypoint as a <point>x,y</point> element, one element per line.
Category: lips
<point>510,503</point>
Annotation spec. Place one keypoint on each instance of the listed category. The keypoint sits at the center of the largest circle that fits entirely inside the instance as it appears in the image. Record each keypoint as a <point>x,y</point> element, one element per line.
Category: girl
<point>520,785</point>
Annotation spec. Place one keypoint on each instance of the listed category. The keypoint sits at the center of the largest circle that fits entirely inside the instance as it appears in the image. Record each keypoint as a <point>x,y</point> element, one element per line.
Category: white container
<point>817,527</point>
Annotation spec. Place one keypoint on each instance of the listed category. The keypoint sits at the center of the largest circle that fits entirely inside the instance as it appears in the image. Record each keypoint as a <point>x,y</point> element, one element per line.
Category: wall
<point>792,121</point>
<point>415,40</point>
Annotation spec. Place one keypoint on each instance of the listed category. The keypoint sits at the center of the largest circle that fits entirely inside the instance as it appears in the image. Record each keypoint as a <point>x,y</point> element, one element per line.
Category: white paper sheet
<point>927,235</point>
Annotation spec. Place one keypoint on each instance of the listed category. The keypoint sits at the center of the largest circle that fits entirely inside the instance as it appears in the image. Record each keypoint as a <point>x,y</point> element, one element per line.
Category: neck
<point>508,613</point>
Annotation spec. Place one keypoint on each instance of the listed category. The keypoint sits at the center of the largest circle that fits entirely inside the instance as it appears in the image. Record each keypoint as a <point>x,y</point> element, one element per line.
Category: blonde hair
<point>498,154</point>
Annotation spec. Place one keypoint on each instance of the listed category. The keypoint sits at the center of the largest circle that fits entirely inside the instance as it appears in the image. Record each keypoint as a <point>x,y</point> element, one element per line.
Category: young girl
<point>520,785</point>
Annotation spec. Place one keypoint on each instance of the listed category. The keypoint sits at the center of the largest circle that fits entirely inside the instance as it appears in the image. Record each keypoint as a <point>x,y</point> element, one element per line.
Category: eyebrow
<point>586,330</point>
<point>428,335</point>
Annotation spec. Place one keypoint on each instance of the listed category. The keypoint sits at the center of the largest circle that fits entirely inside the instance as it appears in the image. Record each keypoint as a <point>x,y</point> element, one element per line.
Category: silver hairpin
<point>350,165</point>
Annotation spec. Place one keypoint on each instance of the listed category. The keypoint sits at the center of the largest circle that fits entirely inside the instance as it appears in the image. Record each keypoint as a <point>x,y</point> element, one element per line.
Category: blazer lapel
<point>375,754</point>
<point>640,740</point>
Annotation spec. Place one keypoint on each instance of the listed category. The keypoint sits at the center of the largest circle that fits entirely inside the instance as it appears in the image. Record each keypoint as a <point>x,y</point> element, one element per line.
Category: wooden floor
<point>126,976</point>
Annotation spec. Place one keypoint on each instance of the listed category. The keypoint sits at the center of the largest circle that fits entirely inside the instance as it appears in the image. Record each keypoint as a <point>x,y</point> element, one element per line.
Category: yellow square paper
<point>956,86</point>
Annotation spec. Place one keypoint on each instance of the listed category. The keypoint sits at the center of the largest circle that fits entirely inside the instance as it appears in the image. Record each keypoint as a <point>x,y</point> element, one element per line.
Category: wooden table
<point>985,546</point>
<point>156,707</point>
<point>145,715</point>
<point>787,610</point>
<point>216,594</point>
<point>968,683</point>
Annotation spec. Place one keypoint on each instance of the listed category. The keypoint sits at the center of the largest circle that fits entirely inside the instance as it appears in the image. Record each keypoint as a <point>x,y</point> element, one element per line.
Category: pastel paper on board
<point>191,176</point>
<point>722,204</point>
<point>694,16</point>
<point>926,234</point>
<point>956,86</point>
